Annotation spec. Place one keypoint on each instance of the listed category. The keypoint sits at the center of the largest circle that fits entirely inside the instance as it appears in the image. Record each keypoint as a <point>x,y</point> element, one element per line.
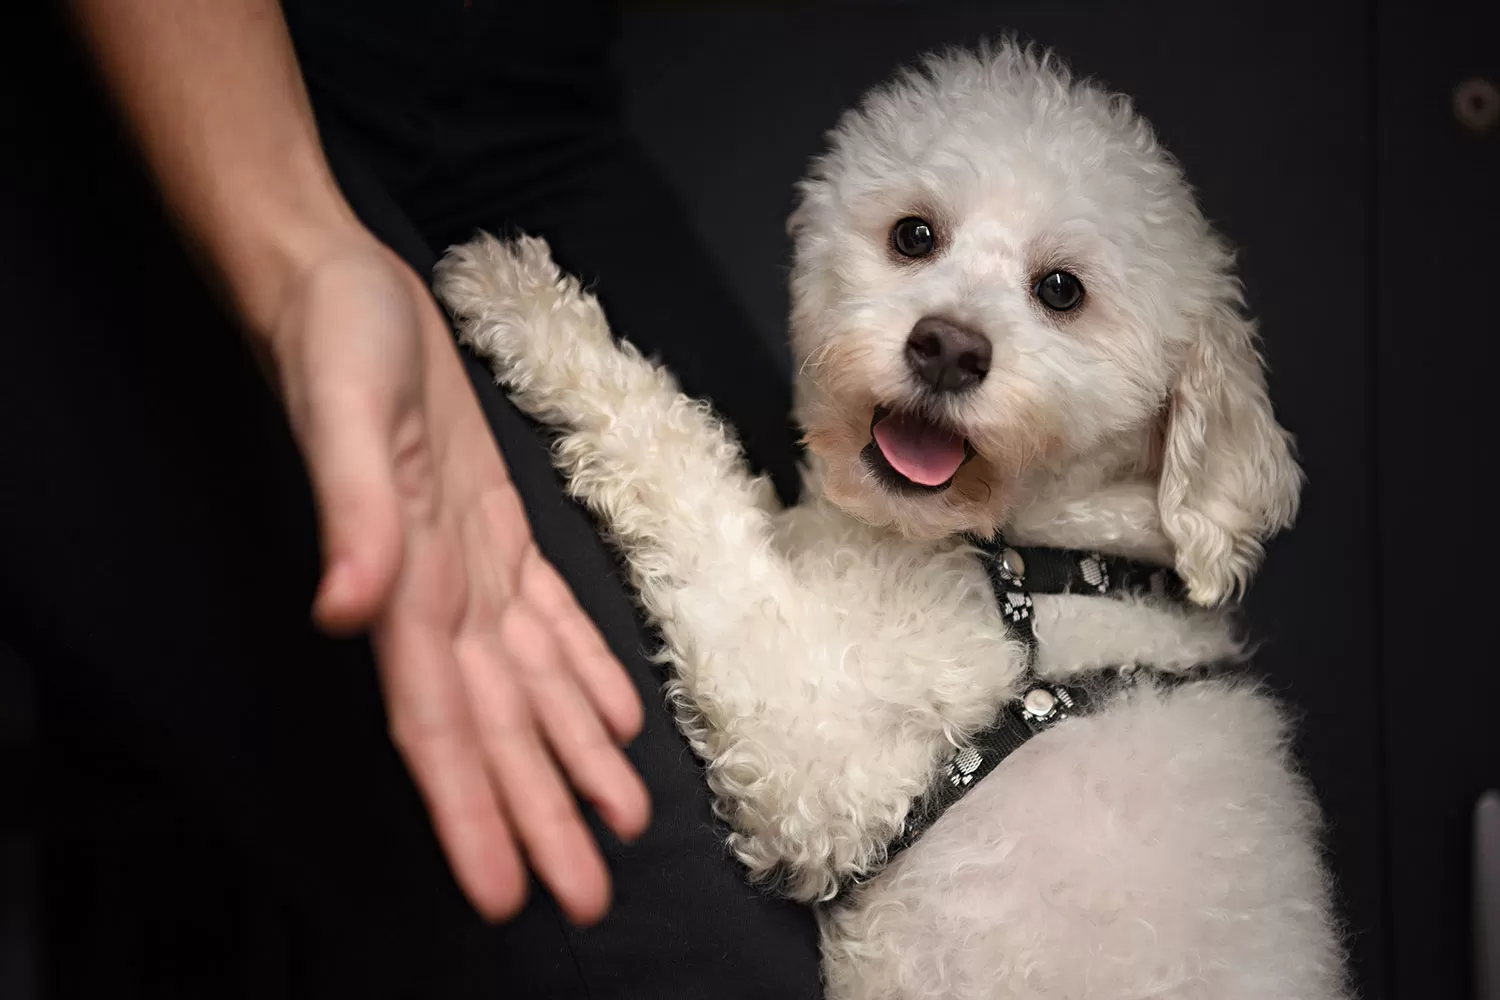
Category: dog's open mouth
<point>910,452</point>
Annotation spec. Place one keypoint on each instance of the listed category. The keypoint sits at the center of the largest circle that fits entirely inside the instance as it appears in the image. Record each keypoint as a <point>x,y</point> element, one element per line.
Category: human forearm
<point>213,92</point>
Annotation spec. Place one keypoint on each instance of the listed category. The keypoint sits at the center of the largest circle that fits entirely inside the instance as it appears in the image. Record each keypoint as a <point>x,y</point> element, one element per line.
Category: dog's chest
<point>929,613</point>
<point>917,620</point>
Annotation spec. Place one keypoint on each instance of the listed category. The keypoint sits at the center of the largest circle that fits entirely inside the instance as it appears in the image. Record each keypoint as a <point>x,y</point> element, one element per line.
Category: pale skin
<point>500,692</point>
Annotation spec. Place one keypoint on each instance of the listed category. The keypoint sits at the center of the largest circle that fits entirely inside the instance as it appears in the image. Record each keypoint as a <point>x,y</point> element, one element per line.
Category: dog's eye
<point>912,237</point>
<point>1059,291</point>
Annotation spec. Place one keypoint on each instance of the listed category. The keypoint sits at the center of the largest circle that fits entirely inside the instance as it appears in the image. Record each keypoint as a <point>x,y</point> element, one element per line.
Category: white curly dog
<point>1009,316</point>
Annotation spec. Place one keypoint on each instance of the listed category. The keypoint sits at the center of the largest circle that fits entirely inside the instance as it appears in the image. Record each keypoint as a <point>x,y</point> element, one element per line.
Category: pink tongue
<point>922,452</point>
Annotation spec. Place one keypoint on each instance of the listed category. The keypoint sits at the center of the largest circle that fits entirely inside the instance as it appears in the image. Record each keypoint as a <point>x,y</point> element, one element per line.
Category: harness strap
<point>1016,573</point>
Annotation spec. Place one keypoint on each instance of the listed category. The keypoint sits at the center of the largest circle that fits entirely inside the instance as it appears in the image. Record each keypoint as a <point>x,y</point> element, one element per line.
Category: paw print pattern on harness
<point>1017,607</point>
<point>964,763</point>
<point>1094,572</point>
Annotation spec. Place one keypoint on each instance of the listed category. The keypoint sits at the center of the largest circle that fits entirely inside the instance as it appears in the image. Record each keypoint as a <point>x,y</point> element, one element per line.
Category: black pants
<point>223,813</point>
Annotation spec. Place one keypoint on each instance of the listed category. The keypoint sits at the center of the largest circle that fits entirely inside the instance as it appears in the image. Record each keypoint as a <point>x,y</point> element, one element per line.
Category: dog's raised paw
<point>516,309</point>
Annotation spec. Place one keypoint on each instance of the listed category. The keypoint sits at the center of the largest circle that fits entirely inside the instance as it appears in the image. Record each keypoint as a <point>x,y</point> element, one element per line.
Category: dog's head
<point>1000,274</point>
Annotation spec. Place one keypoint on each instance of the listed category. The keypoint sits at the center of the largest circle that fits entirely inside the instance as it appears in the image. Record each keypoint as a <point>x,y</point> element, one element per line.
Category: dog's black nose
<point>947,357</point>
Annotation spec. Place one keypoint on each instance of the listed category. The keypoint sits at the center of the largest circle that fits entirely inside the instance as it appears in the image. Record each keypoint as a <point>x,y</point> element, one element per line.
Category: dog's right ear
<point>1229,480</point>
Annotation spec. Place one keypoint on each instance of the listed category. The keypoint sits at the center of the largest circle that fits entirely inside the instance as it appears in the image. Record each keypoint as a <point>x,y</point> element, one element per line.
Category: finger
<point>503,566</point>
<point>603,678</point>
<point>594,764</point>
<point>537,803</point>
<point>512,564</point>
<point>431,726</point>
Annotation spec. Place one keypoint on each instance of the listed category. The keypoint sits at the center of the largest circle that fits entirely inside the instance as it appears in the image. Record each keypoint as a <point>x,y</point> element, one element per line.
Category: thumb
<point>349,450</point>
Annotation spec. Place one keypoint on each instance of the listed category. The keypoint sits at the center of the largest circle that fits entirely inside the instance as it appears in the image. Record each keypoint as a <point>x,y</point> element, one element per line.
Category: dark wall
<point>1434,266</point>
<point>1323,139</point>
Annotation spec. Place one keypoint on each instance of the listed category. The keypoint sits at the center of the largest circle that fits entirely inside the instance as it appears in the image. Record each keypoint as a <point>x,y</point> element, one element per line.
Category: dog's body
<point>824,664</point>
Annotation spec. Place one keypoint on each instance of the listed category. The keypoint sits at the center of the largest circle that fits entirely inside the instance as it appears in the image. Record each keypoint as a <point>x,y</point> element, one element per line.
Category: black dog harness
<point>1016,573</point>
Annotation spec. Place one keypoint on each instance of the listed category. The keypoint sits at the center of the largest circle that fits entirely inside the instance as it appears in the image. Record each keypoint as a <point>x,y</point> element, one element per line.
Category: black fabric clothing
<point>223,813</point>
<point>505,116</point>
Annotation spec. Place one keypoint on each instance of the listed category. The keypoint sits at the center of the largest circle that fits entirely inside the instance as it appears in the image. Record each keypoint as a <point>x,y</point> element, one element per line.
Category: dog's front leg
<point>766,681</point>
<point>661,471</point>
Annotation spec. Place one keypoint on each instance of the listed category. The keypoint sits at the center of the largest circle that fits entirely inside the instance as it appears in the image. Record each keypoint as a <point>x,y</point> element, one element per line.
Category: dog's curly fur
<point>826,658</point>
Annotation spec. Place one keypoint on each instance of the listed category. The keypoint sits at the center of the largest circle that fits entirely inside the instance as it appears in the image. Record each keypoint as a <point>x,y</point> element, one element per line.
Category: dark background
<point>1325,142</point>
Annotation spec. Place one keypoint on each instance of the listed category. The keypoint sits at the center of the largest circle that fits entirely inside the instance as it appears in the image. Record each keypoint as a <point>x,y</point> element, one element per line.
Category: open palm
<point>496,683</point>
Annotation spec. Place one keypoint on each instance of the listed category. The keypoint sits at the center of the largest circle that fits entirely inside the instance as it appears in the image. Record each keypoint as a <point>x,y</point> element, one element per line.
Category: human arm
<point>496,684</point>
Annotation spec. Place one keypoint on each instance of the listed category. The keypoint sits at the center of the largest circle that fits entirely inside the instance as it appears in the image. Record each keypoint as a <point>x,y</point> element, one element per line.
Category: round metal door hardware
<point>1476,105</point>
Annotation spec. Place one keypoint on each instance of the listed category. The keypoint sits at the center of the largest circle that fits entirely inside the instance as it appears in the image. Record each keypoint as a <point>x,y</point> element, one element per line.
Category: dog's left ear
<point>1229,479</point>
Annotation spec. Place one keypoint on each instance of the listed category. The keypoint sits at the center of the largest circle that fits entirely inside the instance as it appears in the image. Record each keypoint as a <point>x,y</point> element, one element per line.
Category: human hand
<point>496,683</point>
